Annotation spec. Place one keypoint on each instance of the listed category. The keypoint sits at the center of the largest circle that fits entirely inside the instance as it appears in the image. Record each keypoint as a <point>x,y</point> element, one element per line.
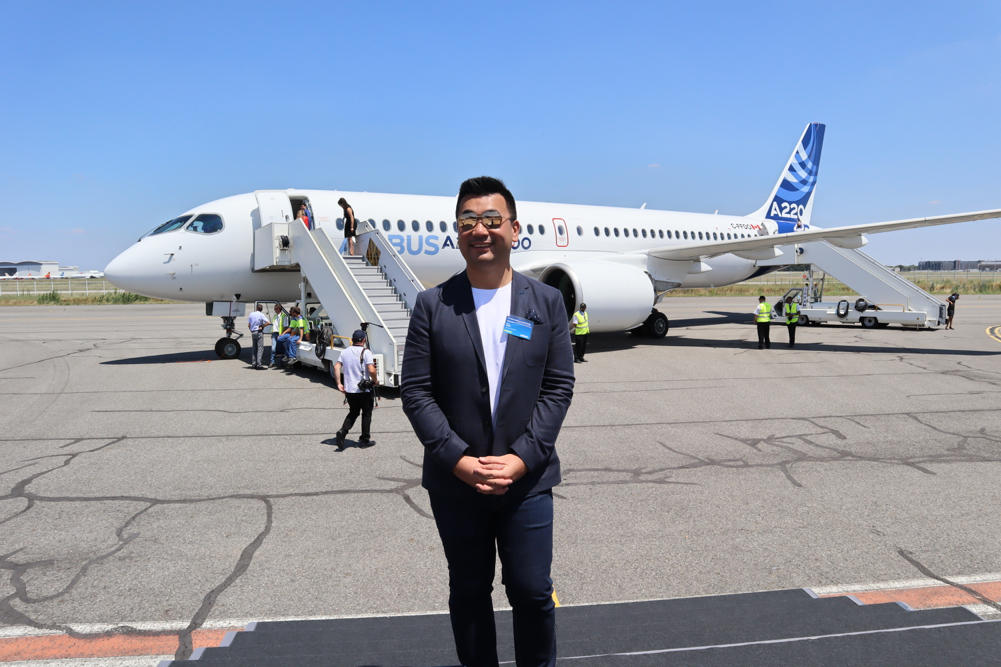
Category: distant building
<point>34,268</point>
<point>990,266</point>
<point>951,265</point>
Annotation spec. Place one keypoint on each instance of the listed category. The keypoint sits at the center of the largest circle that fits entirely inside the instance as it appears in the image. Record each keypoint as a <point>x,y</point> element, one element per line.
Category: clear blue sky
<point>118,116</point>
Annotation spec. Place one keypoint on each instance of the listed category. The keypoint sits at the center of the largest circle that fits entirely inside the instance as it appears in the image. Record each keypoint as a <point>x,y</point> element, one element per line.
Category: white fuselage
<point>190,266</point>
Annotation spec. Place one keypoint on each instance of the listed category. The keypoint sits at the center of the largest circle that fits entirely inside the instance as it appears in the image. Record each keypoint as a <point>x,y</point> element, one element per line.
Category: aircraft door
<point>562,232</point>
<point>274,206</point>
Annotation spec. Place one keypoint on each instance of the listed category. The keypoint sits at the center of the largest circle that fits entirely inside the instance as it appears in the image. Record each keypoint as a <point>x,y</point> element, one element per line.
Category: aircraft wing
<point>695,251</point>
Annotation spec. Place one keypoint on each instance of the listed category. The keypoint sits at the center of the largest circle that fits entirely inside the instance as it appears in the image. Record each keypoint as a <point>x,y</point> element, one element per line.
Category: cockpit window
<point>170,225</point>
<point>206,223</point>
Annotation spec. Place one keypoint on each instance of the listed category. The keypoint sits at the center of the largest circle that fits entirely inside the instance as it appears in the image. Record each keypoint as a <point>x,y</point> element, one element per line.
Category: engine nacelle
<point>618,296</point>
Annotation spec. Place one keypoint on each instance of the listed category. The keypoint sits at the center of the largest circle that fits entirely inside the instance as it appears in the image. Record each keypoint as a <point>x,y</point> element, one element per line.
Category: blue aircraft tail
<point>791,201</point>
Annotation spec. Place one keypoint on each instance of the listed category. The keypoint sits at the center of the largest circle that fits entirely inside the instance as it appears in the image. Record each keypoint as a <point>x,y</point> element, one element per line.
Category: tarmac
<point>153,496</point>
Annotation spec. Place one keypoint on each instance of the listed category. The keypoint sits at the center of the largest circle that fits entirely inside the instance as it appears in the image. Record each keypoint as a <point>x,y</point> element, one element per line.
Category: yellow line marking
<point>555,599</point>
<point>995,332</point>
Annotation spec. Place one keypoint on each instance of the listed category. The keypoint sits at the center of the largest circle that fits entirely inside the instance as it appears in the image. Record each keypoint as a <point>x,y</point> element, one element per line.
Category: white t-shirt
<point>352,367</point>
<point>492,308</point>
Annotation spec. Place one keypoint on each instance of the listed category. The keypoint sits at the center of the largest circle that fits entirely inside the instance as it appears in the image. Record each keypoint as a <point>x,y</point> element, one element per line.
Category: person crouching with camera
<point>357,385</point>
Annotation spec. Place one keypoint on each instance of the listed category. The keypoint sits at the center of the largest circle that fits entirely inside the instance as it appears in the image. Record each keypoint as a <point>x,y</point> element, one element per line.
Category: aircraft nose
<point>121,270</point>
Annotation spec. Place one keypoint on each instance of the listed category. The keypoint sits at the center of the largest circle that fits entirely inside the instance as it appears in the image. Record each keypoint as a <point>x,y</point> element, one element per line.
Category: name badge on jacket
<point>517,326</point>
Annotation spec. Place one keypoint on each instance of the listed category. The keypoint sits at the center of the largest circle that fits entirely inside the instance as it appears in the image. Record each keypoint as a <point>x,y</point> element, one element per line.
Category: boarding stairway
<point>785,628</point>
<point>376,291</point>
<point>867,277</point>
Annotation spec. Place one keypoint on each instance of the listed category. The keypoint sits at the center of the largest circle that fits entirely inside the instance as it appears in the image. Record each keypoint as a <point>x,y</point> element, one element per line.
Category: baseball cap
<point>358,336</point>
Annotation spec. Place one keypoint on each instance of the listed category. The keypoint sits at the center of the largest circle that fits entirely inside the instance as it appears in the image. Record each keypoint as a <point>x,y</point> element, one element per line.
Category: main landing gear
<point>655,326</point>
<point>229,347</point>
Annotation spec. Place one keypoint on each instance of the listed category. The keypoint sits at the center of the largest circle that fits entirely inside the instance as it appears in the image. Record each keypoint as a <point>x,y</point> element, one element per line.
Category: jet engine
<point>618,296</point>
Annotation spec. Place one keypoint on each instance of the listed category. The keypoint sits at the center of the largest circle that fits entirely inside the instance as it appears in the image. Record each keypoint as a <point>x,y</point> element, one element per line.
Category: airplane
<point>621,261</point>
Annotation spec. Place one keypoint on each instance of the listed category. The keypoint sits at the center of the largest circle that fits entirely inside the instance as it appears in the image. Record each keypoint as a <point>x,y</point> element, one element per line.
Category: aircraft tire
<point>868,322</point>
<point>657,325</point>
<point>227,348</point>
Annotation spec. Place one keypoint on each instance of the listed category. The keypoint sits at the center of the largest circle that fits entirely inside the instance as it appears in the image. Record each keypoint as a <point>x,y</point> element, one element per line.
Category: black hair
<point>481,186</point>
<point>761,298</point>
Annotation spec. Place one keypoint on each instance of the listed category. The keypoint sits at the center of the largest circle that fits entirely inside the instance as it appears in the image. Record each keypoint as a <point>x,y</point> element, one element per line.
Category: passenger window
<point>714,237</point>
<point>597,232</point>
<point>625,232</point>
<point>416,225</point>
<point>668,233</point>
<point>728,236</point>
<point>686,236</point>
<point>559,230</point>
<point>580,231</point>
<point>644,233</point>
<point>206,223</point>
<point>429,225</point>
<point>607,232</point>
<point>542,230</point>
<point>402,226</point>
<point>171,225</point>
<point>700,236</point>
<point>531,229</point>
<point>616,230</point>
<point>340,223</point>
<point>386,225</point>
<point>662,234</point>
<point>635,234</point>
<point>442,226</point>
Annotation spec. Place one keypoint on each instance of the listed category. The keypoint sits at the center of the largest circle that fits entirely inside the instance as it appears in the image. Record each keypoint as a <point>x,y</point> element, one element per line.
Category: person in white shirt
<point>256,322</point>
<point>356,363</point>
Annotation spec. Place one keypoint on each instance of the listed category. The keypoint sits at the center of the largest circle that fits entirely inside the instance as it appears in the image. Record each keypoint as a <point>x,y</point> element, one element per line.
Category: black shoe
<point>339,440</point>
<point>761,347</point>
<point>365,444</point>
<point>583,360</point>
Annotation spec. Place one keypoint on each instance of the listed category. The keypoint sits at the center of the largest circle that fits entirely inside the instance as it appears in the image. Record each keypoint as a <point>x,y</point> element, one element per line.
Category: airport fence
<point>68,286</point>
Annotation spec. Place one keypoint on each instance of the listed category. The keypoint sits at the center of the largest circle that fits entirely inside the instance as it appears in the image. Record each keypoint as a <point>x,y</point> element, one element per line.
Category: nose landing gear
<point>229,347</point>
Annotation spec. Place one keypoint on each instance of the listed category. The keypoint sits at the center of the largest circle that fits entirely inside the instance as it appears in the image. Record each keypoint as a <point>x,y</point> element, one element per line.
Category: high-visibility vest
<point>766,312</point>
<point>279,323</point>
<point>792,313</point>
<point>581,327</point>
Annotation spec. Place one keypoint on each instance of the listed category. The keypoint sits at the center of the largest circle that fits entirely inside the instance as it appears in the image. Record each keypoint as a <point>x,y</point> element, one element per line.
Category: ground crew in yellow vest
<point>278,325</point>
<point>763,317</point>
<point>580,331</point>
<point>792,319</point>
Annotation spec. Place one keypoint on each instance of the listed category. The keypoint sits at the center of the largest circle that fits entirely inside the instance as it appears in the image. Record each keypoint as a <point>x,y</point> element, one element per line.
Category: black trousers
<point>580,346</point>
<point>763,339</point>
<point>474,530</point>
<point>792,333</point>
<point>359,403</point>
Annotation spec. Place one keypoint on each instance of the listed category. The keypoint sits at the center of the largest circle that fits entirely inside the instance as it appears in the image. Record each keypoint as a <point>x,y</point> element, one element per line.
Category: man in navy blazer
<point>487,380</point>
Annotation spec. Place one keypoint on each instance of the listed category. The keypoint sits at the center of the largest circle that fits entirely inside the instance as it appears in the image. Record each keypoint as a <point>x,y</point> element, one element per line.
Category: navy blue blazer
<point>446,395</point>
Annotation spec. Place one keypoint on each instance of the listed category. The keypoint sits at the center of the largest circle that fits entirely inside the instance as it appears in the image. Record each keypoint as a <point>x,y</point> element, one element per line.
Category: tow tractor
<point>814,310</point>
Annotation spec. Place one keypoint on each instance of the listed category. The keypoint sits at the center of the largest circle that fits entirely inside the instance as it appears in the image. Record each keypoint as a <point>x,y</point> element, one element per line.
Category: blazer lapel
<point>520,300</point>
<point>465,305</point>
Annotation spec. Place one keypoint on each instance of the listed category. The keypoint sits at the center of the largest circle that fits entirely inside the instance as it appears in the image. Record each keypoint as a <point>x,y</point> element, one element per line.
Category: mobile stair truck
<point>376,291</point>
<point>885,297</point>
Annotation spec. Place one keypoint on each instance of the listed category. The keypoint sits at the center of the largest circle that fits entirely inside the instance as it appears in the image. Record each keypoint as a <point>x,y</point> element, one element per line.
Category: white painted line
<point>924,582</point>
<point>132,661</point>
<point>767,641</point>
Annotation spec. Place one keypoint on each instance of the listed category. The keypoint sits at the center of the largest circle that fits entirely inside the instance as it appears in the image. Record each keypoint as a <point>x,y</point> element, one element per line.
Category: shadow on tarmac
<point>171,358</point>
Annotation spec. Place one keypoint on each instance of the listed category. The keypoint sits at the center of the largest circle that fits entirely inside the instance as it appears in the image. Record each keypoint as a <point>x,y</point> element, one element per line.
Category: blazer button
<point>484,390</point>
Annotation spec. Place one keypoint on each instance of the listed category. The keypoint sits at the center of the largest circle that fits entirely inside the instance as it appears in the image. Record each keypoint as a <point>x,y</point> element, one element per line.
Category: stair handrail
<point>305,242</point>
<point>396,270</point>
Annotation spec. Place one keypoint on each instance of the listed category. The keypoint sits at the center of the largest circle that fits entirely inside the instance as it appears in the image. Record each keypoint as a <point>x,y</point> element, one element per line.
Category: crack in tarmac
<point>920,567</point>
<point>13,616</point>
